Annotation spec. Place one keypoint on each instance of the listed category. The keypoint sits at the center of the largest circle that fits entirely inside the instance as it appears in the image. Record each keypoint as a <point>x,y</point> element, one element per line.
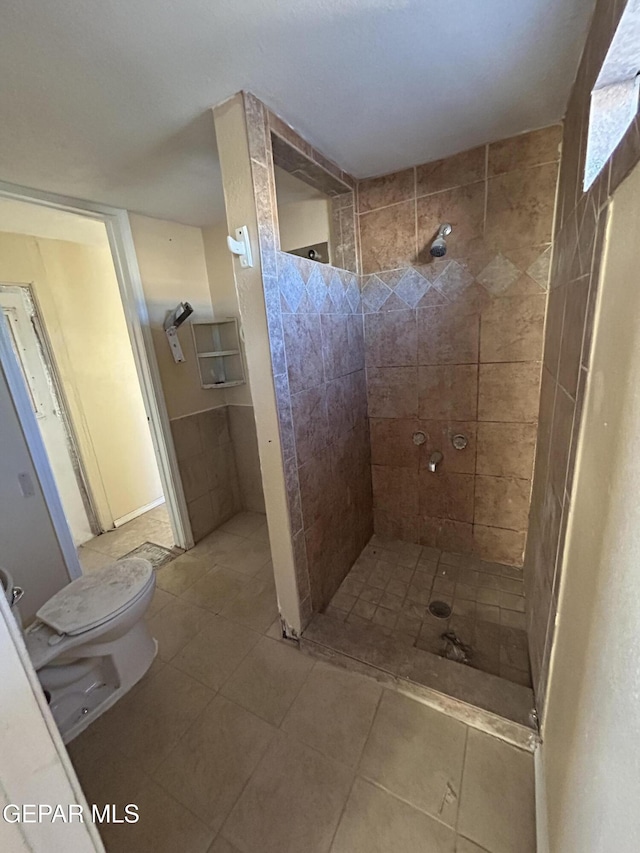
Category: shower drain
<point>440,609</point>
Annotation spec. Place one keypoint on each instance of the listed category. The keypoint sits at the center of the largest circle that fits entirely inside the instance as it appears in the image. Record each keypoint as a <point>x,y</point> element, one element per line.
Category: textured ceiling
<point>108,99</point>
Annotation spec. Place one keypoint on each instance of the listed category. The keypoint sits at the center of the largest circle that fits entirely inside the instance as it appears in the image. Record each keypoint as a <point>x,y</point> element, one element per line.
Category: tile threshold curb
<point>481,700</point>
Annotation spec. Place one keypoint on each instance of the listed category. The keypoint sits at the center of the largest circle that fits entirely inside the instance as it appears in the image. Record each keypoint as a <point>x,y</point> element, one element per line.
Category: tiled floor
<point>236,742</point>
<point>152,526</point>
<point>392,584</point>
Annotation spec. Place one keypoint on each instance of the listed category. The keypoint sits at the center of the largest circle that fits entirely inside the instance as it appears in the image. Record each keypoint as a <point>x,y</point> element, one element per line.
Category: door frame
<point>118,228</point>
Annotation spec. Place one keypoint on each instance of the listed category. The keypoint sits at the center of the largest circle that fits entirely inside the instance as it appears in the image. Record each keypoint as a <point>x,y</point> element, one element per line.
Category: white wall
<point>77,291</point>
<point>173,268</point>
<point>224,298</point>
<point>303,223</point>
<point>592,723</point>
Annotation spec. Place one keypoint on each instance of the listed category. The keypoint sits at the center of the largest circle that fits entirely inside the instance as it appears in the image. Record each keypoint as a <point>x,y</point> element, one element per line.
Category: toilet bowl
<point>89,643</point>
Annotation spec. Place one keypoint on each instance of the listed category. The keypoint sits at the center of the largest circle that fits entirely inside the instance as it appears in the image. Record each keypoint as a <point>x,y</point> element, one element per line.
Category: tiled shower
<point>453,345</point>
<point>379,366</point>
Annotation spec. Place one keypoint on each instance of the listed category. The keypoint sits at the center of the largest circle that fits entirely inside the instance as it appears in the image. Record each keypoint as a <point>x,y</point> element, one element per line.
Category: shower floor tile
<point>392,584</point>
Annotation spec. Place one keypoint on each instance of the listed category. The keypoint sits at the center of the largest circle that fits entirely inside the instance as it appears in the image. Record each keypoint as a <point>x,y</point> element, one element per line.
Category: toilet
<point>89,643</point>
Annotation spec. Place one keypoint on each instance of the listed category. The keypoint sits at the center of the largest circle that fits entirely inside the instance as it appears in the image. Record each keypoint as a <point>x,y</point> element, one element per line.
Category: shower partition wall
<point>314,318</point>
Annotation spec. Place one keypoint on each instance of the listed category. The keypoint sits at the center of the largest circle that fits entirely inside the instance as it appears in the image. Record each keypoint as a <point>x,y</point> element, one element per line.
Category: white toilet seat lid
<point>96,597</point>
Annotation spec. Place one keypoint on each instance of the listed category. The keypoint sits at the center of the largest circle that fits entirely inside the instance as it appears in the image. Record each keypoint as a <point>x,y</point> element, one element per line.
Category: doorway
<point>72,306</point>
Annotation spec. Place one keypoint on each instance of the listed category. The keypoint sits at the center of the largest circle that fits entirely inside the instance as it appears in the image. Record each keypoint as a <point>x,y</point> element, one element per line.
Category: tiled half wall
<point>217,454</point>
<point>314,318</point>
<point>454,345</point>
<point>578,249</point>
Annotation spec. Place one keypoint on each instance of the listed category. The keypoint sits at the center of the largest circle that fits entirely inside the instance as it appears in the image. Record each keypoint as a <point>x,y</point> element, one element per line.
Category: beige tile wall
<point>454,345</point>
<point>207,468</point>
<point>578,245</point>
<point>242,428</point>
<point>314,316</point>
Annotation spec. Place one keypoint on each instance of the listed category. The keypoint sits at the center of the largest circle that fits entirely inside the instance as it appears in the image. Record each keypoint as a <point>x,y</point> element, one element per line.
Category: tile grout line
<point>355,771</point>
<point>464,763</point>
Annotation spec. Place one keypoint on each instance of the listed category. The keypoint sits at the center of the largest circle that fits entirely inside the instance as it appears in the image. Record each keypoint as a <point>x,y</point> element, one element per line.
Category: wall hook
<point>241,246</point>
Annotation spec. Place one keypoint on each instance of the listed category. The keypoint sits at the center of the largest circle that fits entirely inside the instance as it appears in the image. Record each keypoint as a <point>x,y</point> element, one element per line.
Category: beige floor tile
<point>91,560</point>
<point>268,679</point>
<point>153,670</point>
<point>175,624</point>
<point>376,822</point>
<point>159,513</point>
<point>497,801</point>
<point>165,826</point>
<point>106,775</point>
<point>216,543</point>
<point>160,599</point>
<point>416,753</point>
<point>181,573</point>
<point>244,523</point>
<point>333,713</point>
<point>215,589</point>
<point>275,630</point>
<point>261,534</point>
<point>264,574</point>
<point>221,845</point>
<point>213,654</point>
<point>116,543</point>
<point>255,606</point>
<point>292,802</point>
<point>211,764</point>
<point>162,534</point>
<point>247,558</point>
<point>147,724</point>
<point>463,845</point>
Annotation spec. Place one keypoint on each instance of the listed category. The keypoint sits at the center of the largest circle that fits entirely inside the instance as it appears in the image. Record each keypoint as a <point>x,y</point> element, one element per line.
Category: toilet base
<point>82,689</point>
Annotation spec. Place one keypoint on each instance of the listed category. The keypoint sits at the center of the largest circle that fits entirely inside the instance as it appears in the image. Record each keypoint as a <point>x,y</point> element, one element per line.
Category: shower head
<point>439,246</point>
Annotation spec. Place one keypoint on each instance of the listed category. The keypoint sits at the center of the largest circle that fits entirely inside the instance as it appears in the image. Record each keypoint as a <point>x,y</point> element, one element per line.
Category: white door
<point>38,380</point>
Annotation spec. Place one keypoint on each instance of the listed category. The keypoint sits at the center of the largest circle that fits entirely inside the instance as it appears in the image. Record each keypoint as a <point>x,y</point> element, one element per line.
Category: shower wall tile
<point>473,323</point>
<point>439,435</point>
<point>498,545</point>
<point>446,495</point>
<point>513,329</point>
<point>520,207</point>
<point>506,449</point>
<point>392,392</point>
<point>392,442</point>
<point>468,167</point>
<point>388,237</point>
<point>448,391</point>
<point>578,247</point>
<point>303,346</point>
<point>463,208</point>
<point>536,148</point>
<point>448,335</point>
<point>392,339</point>
<point>395,490</point>
<point>509,392</point>
<point>502,502</point>
<point>388,189</point>
<point>310,422</point>
<point>314,315</point>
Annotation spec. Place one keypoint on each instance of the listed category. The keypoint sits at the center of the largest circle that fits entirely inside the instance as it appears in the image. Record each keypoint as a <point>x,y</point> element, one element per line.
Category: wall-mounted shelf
<point>217,346</point>
<point>219,353</point>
